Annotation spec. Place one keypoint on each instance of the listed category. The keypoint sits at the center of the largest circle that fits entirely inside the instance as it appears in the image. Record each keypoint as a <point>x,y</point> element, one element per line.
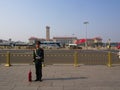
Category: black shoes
<point>38,80</point>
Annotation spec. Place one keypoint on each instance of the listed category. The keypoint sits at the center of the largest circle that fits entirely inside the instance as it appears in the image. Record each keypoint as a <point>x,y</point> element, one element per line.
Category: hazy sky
<point>21,19</point>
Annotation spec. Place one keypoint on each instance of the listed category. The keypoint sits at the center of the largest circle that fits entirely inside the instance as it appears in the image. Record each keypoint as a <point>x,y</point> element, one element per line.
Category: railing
<point>76,58</point>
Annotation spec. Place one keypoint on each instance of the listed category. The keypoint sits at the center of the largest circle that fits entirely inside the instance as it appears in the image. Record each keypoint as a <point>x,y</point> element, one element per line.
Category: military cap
<point>38,42</point>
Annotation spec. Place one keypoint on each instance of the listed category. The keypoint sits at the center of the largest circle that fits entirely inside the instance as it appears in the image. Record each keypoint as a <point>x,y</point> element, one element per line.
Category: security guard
<point>38,56</point>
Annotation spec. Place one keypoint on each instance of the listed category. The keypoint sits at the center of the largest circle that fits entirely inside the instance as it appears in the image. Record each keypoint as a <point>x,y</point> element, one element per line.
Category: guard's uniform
<point>38,56</point>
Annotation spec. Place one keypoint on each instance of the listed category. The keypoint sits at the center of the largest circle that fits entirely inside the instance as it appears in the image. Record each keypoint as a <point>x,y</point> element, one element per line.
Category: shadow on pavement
<point>69,78</point>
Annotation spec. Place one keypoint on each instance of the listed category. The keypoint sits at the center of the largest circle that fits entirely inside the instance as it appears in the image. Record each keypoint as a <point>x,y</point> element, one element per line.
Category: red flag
<point>82,40</point>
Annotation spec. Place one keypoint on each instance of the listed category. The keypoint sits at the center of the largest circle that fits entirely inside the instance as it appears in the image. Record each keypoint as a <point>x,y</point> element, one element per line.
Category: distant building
<point>47,33</point>
<point>34,39</point>
<point>90,41</point>
<point>64,40</point>
<point>97,40</point>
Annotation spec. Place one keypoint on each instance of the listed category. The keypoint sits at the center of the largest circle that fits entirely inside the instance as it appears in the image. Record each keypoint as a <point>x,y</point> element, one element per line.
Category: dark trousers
<point>38,67</point>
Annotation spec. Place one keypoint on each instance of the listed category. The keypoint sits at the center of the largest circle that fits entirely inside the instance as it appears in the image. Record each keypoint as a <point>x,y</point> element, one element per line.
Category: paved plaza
<point>61,77</point>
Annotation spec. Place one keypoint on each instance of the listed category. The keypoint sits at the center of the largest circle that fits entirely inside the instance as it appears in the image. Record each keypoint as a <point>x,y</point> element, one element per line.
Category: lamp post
<point>73,38</point>
<point>86,22</point>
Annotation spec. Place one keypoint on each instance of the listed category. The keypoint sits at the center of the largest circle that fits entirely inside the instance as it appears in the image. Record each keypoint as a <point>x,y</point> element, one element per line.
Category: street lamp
<point>86,33</point>
<point>73,38</point>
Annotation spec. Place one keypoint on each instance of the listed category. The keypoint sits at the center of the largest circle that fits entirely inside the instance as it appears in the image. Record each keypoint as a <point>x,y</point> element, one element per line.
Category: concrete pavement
<point>61,77</point>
